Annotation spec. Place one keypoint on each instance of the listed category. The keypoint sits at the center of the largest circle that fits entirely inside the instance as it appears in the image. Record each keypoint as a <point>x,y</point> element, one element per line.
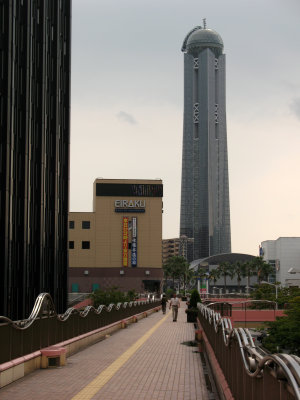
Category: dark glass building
<point>204,214</point>
<point>34,152</point>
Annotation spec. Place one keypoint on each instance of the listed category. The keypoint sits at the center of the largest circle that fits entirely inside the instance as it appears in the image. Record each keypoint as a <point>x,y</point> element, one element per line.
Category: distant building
<point>35,58</point>
<point>120,242</point>
<point>205,211</point>
<point>232,285</point>
<point>185,246</point>
<point>175,247</point>
<point>283,253</point>
<point>170,248</point>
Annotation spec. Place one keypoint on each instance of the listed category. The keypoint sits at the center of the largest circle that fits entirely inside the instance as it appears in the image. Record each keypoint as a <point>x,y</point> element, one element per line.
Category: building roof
<point>200,37</point>
<point>220,258</point>
<point>204,38</point>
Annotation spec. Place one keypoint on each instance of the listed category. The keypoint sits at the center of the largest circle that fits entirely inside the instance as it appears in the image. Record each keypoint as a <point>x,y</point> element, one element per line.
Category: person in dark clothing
<point>164,302</point>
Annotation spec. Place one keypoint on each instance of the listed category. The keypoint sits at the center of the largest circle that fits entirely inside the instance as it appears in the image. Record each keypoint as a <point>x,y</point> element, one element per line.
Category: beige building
<point>175,247</point>
<point>170,248</point>
<point>119,243</point>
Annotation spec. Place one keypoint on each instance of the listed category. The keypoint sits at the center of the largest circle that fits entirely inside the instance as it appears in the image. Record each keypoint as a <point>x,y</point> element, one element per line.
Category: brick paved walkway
<point>160,369</point>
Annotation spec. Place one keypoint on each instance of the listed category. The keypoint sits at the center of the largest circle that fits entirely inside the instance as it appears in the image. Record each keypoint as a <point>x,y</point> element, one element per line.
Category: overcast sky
<point>127,105</point>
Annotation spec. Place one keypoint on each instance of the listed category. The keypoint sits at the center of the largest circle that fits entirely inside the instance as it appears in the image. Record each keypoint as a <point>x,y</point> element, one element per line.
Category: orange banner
<point>125,241</point>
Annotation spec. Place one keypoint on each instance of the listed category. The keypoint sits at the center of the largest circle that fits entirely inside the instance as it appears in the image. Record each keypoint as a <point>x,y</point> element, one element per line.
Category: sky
<point>127,105</point>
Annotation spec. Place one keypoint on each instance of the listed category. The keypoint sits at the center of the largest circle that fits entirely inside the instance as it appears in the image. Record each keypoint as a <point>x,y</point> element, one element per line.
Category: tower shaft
<point>205,212</point>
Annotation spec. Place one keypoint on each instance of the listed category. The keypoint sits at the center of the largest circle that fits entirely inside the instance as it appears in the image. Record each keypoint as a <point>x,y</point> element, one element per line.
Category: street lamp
<point>276,290</point>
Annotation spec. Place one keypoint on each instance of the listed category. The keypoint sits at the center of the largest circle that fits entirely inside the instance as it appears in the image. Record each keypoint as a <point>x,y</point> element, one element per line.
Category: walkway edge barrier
<point>219,378</point>
<point>16,369</point>
<point>250,371</point>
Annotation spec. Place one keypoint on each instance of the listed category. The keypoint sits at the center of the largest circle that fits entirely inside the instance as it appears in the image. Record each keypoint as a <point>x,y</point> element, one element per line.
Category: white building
<point>283,253</point>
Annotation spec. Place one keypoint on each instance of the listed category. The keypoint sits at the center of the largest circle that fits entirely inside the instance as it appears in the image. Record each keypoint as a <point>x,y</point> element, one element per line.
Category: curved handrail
<point>44,306</point>
<point>284,366</point>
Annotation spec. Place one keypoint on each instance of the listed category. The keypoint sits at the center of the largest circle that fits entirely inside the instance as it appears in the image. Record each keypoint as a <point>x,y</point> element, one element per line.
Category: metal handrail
<point>44,306</point>
<point>284,366</point>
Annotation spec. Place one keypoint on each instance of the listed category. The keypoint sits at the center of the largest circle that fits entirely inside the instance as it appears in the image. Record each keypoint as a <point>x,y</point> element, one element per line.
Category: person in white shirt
<point>175,304</point>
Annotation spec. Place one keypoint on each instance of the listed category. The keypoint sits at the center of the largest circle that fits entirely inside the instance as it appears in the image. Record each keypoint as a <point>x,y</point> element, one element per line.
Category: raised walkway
<point>147,360</point>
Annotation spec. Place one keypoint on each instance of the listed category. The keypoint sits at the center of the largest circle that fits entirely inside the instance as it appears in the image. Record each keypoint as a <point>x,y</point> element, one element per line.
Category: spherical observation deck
<point>204,38</point>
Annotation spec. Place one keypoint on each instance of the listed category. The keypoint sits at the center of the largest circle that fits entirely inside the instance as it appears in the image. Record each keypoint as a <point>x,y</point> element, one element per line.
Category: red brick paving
<point>161,369</point>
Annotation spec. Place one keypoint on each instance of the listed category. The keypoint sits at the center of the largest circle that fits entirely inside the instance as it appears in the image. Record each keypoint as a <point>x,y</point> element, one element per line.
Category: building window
<point>86,225</point>
<point>71,244</point>
<point>85,245</point>
<point>71,224</point>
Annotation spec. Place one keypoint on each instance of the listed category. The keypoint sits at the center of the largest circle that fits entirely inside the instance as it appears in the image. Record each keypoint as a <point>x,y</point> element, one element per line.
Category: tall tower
<point>204,214</point>
<point>34,152</point>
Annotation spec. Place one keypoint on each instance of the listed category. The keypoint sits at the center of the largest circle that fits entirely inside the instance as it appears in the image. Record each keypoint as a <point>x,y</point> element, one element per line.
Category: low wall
<point>255,315</point>
<point>44,327</point>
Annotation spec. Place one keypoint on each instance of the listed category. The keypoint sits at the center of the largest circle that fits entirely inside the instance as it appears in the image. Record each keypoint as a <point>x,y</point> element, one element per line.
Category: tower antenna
<point>204,23</point>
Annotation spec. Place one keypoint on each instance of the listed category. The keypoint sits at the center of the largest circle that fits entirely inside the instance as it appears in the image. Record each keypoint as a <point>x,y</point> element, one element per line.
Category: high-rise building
<point>204,214</point>
<point>34,152</point>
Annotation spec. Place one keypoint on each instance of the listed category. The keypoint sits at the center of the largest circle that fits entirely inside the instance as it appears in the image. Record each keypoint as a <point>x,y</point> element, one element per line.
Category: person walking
<point>164,302</point>
<point>175,304</point>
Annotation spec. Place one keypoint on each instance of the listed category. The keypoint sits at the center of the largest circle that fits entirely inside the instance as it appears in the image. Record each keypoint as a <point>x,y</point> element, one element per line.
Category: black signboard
<point>129,190</point>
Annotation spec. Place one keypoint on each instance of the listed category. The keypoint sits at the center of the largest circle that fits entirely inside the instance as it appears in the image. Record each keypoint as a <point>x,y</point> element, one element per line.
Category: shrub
<point>192,310</point>
<point>132,295</point>
<point>284,334</point>
<point>110,295</point>
<point>170,292</point>
<point>195,298</point>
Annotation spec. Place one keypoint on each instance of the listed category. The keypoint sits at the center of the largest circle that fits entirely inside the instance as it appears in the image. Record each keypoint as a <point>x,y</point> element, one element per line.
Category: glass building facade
<point>35,41</point>
<point>205,212</point>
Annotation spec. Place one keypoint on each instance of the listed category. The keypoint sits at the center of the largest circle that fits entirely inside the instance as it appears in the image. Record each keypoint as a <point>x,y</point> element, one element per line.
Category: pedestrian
<point>175,304</point>
<point>164,302</point>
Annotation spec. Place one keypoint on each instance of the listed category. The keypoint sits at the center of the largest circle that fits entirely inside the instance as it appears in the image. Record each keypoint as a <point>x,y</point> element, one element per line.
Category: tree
<point>214,275</point>
<point>284,333</point>
<point>187,274</point>
<point>267,292</point>
<point>176,267</point>
<point>247,272</point>
<point>167,269</point>
<point>226,269</point>
<point>238,271</point>
<point>262,268</point>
